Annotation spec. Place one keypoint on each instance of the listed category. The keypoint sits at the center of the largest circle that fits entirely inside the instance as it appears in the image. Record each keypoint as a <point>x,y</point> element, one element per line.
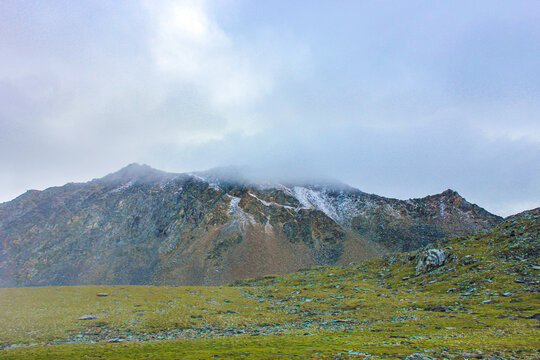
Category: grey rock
<point>419,356</point>
<point>472,356</point>
<point>88,317</point>
<point>116,340</point>
<point>102,294</point>
<point>437,308</point>
<point>431,259</point>
<point>469,260</point>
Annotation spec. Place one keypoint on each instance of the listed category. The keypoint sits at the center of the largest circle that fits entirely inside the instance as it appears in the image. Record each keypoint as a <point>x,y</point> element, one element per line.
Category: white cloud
<point>126,83</point>
<point>397,108</point>
<point>190,47</point>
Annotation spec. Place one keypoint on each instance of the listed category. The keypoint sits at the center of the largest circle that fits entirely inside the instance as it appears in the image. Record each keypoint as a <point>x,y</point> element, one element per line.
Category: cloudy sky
<point>399,98</point>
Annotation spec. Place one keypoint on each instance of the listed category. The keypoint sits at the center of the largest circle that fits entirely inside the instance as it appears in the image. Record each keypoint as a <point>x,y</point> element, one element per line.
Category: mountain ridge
<point>140,225</point>
<point>145,173</point>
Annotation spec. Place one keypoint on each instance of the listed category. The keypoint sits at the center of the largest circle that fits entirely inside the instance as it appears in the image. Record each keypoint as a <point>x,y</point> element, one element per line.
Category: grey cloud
<point>401,101</point>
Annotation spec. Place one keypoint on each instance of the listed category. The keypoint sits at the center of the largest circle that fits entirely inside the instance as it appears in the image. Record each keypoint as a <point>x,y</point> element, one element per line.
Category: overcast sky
<point>398,98</point>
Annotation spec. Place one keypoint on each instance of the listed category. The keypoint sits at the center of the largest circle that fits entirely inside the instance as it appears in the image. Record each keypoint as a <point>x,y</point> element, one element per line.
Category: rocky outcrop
<point>431,259</point>
<point>144,226</point>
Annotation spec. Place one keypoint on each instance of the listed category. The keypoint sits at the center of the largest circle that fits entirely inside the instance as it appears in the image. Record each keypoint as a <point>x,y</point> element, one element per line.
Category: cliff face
<point>144,226</point>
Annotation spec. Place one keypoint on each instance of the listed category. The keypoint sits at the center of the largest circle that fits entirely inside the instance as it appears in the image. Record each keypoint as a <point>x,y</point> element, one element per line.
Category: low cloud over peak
<point>400,100</point>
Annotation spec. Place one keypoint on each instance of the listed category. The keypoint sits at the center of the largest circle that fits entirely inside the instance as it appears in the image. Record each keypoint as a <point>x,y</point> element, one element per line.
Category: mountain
<point>145,226</point>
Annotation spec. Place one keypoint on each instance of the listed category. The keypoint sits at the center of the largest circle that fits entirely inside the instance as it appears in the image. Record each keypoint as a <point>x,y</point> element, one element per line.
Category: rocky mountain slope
<point>144,226</point>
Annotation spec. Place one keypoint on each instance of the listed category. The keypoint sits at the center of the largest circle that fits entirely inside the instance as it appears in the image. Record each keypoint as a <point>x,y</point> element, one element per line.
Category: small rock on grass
<point>438,308</point>
<point>88,317</point>
<point>116,340</point>
<point>472,356</point>
<point>419,356</point>
<point>102,294</point>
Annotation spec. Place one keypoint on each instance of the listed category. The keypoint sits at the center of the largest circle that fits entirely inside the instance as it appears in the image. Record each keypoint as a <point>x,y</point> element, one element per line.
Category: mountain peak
<point>136,172</point>
<point>449,193</point>
<point>446,195</point>
<point>136,168</point>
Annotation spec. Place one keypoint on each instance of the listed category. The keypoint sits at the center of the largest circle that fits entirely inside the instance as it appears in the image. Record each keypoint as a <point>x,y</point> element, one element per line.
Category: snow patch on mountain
<point>391,211</point>
<point>340,206</point>
<point>238,214</point>
<point>123,187</point>
<point>312,199</point>
<point>268,228</point>
<point>346,207</point>
<point>271,203</point>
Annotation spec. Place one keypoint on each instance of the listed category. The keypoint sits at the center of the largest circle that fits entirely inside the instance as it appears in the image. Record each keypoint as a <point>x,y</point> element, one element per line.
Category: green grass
<point>374,307</point>
<point>320,344</point>
<point>42,314</point>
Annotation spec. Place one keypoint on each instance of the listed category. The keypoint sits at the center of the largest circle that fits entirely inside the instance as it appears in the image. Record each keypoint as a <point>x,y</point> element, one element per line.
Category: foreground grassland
<point>483,303</point>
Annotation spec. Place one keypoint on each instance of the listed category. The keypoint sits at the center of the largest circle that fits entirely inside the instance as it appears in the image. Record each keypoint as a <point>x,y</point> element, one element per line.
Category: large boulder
<point>431,259</point>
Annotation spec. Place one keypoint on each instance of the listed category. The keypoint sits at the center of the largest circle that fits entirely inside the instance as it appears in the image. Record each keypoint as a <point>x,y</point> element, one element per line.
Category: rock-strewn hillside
<point>143,226</point>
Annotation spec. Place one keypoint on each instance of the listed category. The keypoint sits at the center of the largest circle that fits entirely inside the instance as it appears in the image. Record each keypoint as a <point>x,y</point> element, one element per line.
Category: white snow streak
<point>271,203</point>
<point>311,199</point>
<point>123,187</point>
<point>236,211</point>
